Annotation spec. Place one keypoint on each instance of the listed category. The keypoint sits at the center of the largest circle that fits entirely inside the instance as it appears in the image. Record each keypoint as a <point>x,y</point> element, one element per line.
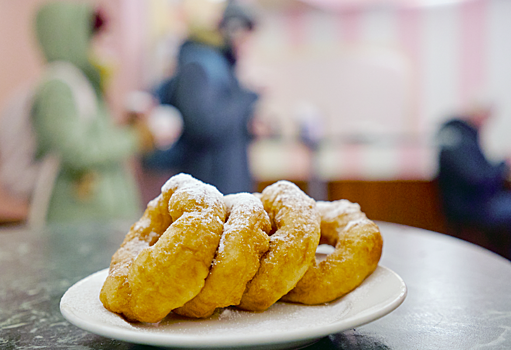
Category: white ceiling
<point>342,4</point>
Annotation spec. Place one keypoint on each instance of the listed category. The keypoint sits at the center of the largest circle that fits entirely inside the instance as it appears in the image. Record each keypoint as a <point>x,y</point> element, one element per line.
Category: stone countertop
<point>458,293</point>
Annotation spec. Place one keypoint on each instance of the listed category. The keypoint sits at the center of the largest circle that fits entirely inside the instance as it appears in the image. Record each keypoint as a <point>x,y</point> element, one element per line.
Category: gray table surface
<point>458,294</point>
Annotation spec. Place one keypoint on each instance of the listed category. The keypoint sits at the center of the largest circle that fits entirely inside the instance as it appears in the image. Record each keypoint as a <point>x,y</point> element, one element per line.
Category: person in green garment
<point>72,120</point>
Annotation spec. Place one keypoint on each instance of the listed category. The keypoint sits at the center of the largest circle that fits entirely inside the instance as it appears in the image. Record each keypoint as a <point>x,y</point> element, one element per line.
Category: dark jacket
<point>467,179</point>
<point>216,112</point>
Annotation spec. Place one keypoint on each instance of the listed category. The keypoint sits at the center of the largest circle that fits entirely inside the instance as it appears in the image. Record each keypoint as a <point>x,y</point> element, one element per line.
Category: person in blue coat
<point>215,108</point>
<point>473,189</point>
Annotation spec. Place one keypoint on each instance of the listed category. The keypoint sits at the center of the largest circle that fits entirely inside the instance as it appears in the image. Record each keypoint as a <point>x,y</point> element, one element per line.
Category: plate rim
<point>187,341</point>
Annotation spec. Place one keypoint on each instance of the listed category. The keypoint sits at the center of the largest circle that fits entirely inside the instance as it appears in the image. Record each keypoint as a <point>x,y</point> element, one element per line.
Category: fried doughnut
<point>292,246</point>
<point>358,247</point>
<point>115,293</point>
<point>166,256</point>
<point>244,241</point>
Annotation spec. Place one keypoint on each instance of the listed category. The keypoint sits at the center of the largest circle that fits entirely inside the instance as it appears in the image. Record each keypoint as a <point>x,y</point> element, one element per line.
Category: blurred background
<point>352,91</point>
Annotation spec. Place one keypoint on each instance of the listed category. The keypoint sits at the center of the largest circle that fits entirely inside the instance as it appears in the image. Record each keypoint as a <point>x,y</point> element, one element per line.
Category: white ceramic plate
<point>284,325</point>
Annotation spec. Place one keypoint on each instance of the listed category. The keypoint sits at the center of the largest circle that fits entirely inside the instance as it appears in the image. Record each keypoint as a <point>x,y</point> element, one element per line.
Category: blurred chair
<point>12,210</point>
<point>31,212</point>
<point>496,239</point>
<point>41,195</point>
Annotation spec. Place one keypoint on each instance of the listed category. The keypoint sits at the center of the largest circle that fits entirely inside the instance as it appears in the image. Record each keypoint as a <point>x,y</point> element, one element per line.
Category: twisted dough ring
<point>358,247</point>
<point>292,246</point>
<point>166,256</point>
<point>244,241</point>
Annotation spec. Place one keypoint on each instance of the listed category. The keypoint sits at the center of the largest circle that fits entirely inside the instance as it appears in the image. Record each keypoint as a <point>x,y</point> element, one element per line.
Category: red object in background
<point>98,21</point>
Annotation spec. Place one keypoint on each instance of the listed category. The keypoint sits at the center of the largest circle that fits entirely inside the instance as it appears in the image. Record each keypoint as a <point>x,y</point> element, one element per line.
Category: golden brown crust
<point>181,257</point>
<point>116,293</point>
<point>292,246</point>
<point>244,241</point>
<point>160,267</point>
<point>358,247</point>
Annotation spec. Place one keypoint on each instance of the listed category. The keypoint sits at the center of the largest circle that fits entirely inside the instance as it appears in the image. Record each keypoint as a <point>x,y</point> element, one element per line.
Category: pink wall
<point>449,51</point>
<point>21,62</point>
<point>451,54</point>
<point>19,58</point>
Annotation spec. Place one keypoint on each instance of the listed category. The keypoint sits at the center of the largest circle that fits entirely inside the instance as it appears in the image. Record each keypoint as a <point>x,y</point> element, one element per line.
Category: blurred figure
<point>474,191</point>
<point>71,121</point>
<point>216,110</point>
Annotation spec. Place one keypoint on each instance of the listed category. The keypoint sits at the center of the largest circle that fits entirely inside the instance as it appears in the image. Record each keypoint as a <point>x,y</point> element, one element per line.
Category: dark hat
<point>239,14</point>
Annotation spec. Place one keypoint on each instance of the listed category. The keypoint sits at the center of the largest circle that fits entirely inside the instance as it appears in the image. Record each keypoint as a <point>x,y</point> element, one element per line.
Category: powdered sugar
<point>142,223</point>
<point>221,245</point>
<point>355,222</point>
<point>332,210</point>
<point>242,208</point>
<point>243,202</point>
<point>196,189</point>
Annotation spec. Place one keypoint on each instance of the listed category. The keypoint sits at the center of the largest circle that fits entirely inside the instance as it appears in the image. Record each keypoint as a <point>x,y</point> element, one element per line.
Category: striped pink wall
<point>473,47</point>
<point>440,80</point>
<point>349,25</point>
